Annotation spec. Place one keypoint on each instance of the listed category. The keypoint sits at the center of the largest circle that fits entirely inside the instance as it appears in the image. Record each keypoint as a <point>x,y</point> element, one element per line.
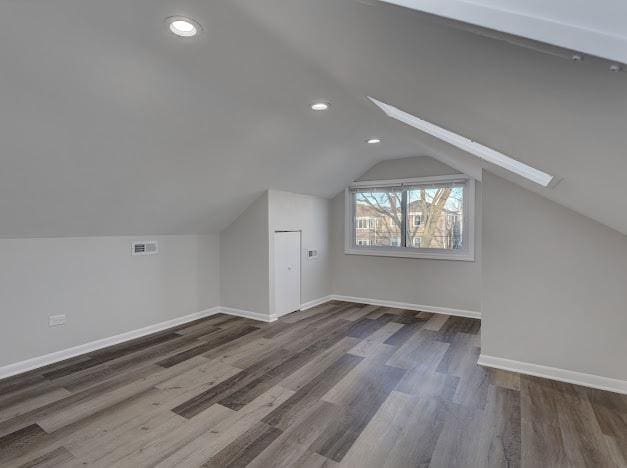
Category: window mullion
<point>353,219</point>
<point>404,218</point>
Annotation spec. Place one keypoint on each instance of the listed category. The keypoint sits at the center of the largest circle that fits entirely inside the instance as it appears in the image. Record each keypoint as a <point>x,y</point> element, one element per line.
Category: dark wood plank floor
<point>338,385</point>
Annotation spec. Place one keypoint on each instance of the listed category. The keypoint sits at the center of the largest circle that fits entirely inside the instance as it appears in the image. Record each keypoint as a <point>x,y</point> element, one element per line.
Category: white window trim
<point>467,254</point>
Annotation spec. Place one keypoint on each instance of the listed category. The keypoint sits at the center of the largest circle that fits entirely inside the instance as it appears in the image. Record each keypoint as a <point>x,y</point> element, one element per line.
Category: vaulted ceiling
<point>111,125</point>
<point>597,28</point>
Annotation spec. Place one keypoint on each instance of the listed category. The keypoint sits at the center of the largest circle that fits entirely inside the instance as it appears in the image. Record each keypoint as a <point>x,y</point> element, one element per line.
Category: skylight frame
<point>481,151</point>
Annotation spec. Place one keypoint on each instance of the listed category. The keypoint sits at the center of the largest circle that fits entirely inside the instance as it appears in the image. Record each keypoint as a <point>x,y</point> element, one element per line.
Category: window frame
<point>467,253</point>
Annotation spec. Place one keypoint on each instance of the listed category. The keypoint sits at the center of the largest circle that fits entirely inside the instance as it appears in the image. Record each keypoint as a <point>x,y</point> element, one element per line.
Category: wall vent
<point>145,248</point>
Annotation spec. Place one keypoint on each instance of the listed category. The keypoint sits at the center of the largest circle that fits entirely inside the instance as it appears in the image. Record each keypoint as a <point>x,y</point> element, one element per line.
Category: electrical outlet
<point>56,320</point>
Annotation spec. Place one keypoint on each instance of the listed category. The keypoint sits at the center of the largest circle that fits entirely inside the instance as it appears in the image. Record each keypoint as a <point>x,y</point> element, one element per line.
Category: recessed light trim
<point>183,27</point>
<point>374,141</point>
<point>320,106</point>
<point>481,151</point>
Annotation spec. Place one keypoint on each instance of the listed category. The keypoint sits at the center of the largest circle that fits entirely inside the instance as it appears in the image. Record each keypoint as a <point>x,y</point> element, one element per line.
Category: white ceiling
<point>110,125</point>
<point>596,28</point>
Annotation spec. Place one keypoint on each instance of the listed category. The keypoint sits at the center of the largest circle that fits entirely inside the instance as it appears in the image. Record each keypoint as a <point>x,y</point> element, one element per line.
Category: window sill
<point>463,256</point>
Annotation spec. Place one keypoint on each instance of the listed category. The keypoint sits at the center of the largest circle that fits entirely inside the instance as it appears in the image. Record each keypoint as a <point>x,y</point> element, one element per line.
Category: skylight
<point>481,151</point>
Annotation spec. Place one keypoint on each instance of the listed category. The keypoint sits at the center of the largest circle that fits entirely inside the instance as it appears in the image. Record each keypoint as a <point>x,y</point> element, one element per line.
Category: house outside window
<point>421,218</point>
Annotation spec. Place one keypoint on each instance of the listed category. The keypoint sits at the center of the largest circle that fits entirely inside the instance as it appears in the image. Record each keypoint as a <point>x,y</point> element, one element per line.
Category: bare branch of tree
<point>392,212</point>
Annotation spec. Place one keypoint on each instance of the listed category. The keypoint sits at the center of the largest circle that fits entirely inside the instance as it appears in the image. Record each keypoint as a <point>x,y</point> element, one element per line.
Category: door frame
<point>273,313</point>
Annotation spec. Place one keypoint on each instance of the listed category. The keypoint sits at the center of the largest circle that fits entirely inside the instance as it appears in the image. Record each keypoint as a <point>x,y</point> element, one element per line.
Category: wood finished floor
<point>338,385</point>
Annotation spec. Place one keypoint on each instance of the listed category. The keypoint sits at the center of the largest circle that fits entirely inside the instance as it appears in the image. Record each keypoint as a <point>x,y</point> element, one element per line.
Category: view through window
<point>418,216</point>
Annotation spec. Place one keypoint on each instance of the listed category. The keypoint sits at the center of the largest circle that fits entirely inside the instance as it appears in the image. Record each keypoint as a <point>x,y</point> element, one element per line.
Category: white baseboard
<point>562,375</point>
<point>408,306</point>
<point>554,373</point>
<point>47,359</point>
<point>248,314</point>
<point>316,302</point>
<point>272,318</point>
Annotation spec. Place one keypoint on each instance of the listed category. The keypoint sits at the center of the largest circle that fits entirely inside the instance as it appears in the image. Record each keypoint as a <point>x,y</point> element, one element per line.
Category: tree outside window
<point>422,216</point>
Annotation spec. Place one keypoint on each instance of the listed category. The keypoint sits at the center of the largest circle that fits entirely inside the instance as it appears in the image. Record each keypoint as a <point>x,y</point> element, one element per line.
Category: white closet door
<point>286,272</point>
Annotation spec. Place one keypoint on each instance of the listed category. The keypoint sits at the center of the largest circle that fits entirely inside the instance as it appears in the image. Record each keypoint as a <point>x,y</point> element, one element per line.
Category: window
<point>366,223</point>
<point>417,219</point>
<point>424,218</point>
<point>380,209</point>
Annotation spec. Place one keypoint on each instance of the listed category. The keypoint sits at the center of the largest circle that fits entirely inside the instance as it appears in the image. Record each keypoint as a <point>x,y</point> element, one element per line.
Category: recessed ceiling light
<point>183,27</point>
<point>320,106</point>
<point>373,141</point>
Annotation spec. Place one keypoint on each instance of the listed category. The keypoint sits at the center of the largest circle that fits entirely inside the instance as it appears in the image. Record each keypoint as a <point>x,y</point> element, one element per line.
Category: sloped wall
<point>554,284</point>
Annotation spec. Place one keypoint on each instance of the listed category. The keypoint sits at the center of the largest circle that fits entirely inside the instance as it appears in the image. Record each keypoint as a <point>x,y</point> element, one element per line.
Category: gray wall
<point>244,264</point>
<point>439,283</point>
<point>554,284</point>
<point>310,215</point>
<point>404,168</point>
<point>102,289</point>
<point>247,250</point>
